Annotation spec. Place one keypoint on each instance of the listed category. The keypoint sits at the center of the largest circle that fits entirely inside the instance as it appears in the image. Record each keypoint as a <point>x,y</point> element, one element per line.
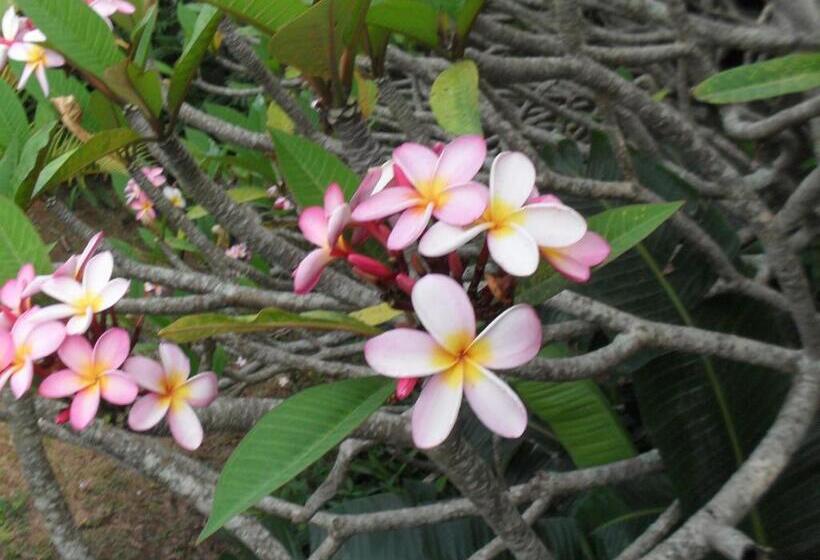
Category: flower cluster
<point>395,205</point>
<point>70,346</point>
<point>141,204</point>
<point>23,42</point>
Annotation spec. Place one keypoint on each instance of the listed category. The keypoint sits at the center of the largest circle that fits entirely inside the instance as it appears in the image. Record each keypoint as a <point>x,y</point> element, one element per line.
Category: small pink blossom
<point>283,203</point>
<point>13,293</point>
<point>515,229</point>
<point>441,186</point>
<point>31,340</point>
<point>238,251</point>
<point>36,57</point>
<point>80,301</point>
<point>149,288</point>
<point>456,361</point>
<point>170,392</point>
<point>91,373</point>
<point>143,208</point>
<point>73,267</point>
<point>273,191</point>
<point>107,8</point>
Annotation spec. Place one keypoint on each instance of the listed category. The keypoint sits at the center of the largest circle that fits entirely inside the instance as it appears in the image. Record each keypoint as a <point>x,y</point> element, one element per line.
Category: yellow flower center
<point>174,390</point>
<point>466,353</point>
<point>21,354</point>
<point>88,299</point>
<point>433,191</point>
<point>37,55</point>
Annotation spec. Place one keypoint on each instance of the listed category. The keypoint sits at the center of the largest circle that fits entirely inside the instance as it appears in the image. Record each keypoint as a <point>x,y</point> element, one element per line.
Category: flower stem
<point>478,274</point>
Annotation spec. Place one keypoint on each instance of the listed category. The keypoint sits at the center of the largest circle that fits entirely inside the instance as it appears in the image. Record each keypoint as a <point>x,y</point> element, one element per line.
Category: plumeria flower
<point>174,196</point>
<point>73,267</point>
<point>36,57</point>
<point>238,251</point>
<point>575,261</point>
<point>515,230</point>
<point>91,373</point>
<point>170,391</point>
<point>151,289</point>
<point>32,340</point>
<point>10,34</point>
<point>440,186</point>
<point>143,208</point>
<point>283,203</point>
<point>107,8</point>
<point>457,361</point>
<point>80,301</point>
<point>155,175</point>
<point>12,294</point>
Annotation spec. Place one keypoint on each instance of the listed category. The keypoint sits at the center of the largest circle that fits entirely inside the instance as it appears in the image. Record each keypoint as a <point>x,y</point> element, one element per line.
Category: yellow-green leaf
<point>454,99</point>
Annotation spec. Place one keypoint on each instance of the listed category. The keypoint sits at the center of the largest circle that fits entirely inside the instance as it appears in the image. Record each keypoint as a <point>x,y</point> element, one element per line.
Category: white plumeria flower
<point>80,302</point>
<point>457,361</point>
<point>36,57</point>
<point>515,230</point>
<point>10,29</point>
<point>107,8</point>
<point>174,196</point>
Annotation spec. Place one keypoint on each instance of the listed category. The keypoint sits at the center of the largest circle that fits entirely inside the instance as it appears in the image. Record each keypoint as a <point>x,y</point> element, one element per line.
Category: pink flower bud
<point>405,283</point>
<point>369,265</point>
<point>405,386</point>
<point>62,417</point>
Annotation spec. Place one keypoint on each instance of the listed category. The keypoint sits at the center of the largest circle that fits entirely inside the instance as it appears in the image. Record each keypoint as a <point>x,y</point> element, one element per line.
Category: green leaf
<point>623,227</point>
<point>316,39</point>
<point>761,80</point>
<point>142,36</point>
<point>466,16</point>
<point>266,15</point>
<point>13,121</point>
<point>76,31</point>
<point>70,164</point>
<point>240,195</point>
<point>581,417</point>
<point>188,64</point>
<point>7,166</point>
<point>19,242</point>
<point>32,158</point>
<point>138,87</point>
<point>309,169</point>
<point>278,119</point>
<point>204,325</point>
<point>454,99</point>
<point>289,438</point>
<point>416,19</point>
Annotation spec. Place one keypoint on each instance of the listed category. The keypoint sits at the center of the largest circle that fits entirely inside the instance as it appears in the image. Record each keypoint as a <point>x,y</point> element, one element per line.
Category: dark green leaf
<point>13,121</point>
<point>761,80</point>
<point>309,169</point>
<point>19,242</point>
<point>289,438</point>
<point>142,35</point>
<point>416,19</point>
<point>32,158</point>
<point>267,15</point>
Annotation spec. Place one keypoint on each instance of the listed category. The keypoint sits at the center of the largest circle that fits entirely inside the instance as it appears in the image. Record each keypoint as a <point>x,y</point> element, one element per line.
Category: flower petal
<point>461,159</point>
<point>494,402</point>
<point>6,349</point>
<point>443,238</point>
<point>514,250</point>
<point>511,340</point>
<point>417,162</point>
<point>147,412</point>
<point>89,250</point>
<point>113,292</point>
<point>118,388</point>
<point>11,24</point>
<point>61,384</point>
<point>336,223</point>
<point>591,250</point>
<point>512,177</point>
<point>146,373</point>
<point>174,361</point>
<point>566,266</point>
<point>185,426</point>
<point>386,203</point>
<point>409,227</point>
<point>45,338</point>
<point>21,379</point>
<point>11,293</point>
<point>202,389</point>
<point>334,197</point>
<point>98,272</point>
<point>309,271</point>
<point>112,349</point>
<point>313,224</point>
<point>84,406</point>
<point>78,324</point>
<point>463,204</point>
<point>63,289</point>
<point>553,225</point>
<point>406,353</point>
<point>444,309</point>
<point>436,409</point>
<point>76,353</point>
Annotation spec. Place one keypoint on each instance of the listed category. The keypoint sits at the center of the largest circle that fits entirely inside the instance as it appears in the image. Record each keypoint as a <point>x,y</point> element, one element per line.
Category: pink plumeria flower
<point>91,373</point>
<point>107,8</point>
<point>11,26</point>
<point>32,340</point>
<point>238,251</point>
<point>457,361</point>
<point>155,175</point>
<point>170,391</point>
<point>323,227</point>
<point>36,57</point>
<point>174,196</point>
<point>151,289</point>
<point>73,267</point>
<point>12,294</point>
<point>575,261</point>
<point>441,187</point>
<point>283,203</point>
<point>143,208</point>
<point>515,230</point>
<point>80,301</point>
